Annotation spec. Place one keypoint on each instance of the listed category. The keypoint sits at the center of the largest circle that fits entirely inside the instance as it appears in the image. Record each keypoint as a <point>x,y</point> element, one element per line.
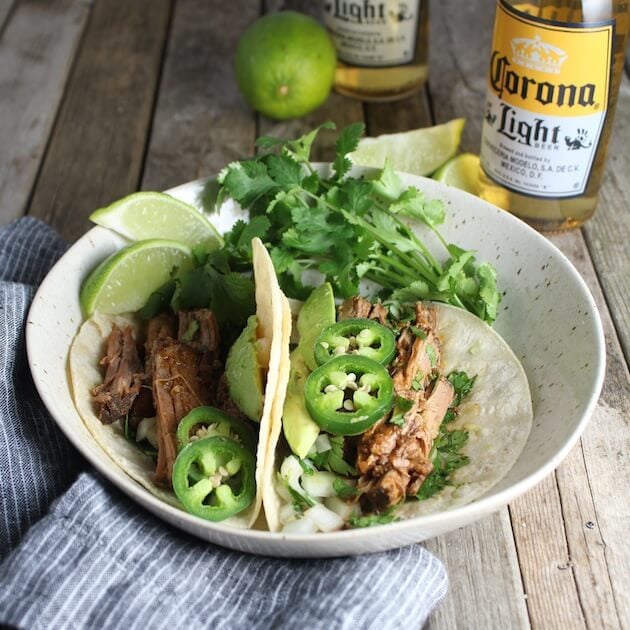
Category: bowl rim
<point>468,512</point>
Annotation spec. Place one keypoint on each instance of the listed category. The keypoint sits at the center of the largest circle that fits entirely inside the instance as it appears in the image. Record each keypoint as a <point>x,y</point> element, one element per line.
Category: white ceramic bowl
<point>547,316</point>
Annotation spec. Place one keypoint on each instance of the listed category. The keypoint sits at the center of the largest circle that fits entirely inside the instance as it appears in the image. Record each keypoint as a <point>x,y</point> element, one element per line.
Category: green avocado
<point>317,312</point>
<point>244,374</point>
<point>300,429</point>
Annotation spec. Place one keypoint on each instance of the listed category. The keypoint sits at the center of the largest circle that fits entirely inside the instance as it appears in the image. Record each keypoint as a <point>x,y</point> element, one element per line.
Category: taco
<point>392,412</point>
<point>180,409</point>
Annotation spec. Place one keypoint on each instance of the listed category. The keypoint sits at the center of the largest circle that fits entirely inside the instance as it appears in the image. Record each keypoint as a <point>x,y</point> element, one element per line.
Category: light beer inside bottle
<point>565,213</point>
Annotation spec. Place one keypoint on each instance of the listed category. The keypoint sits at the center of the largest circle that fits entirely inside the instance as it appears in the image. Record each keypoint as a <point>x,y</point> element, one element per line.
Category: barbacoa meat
<point>182,370</point>
<point>175,392</point>
<point>200,330</point>
<point>123,376</point>
<point>393,461</point>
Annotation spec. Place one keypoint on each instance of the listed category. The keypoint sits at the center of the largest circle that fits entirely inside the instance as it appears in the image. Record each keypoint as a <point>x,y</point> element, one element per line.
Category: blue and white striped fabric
<point>75,553</point>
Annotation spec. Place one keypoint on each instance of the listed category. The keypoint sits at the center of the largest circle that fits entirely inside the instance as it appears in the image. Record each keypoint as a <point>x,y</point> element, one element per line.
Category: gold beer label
<point>548,89</point>
<point>373,34</point>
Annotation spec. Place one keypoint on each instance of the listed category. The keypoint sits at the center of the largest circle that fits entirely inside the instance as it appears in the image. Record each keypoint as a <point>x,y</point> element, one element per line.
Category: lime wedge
<point>123,282</point>
<point>146,215</point>
<point>420,151</point>
<point>462,172</point>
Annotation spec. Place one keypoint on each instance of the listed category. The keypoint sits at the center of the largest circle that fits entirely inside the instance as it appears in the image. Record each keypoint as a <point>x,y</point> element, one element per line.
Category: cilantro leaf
<point>159,300</point>
<point>246,181</point>
<point>333,460</point>
<point>388,185</point>
<point>346,143</point>
<point>462,384</point>
<point>418,332</point>
<point>300,149</point>
<point>284,170</point>
<point>351,228</point>
<point>446,460</point>
<point>401,407</point>
<point>344,490</point>
<point>371,520</point>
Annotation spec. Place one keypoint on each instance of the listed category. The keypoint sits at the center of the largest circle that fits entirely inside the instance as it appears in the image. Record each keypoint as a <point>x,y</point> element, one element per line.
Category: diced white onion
<point>319,484</point>
<point>339,507</point>
<point>286,513</point>
<point>291,471</point>
<point>147,430</point>
<point>322,443</point>
<point>300,526</point>
<point>325,519</point>
<point>282,491</point>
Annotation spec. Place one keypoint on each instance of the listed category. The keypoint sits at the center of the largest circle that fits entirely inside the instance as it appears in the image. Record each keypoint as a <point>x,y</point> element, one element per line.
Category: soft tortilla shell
<point>89,346</point>
<point>497,413</point>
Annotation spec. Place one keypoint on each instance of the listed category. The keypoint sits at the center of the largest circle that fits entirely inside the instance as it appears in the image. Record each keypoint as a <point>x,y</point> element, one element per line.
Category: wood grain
<point>97,146</point>
<point>552,595</point>
<point>598,545</point>
<point>485,589</point>
<point>37,47</point>
<point>461,33</point>
<point>608,234</point>
<point>201,121</point>
<point>5,9</point>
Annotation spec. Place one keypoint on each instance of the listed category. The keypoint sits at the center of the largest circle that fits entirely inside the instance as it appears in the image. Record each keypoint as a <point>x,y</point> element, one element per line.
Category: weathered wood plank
<point>201,121</point>
<point>37,48</point>
<point>552,595</point>
<point>485,588</point>
<point>460,36</point>
<point>582,582</point>
<point>97,146</point>
<point>410,113</point>
<point>608,233</point>
<point>5,9</point>
<point>593,482</point>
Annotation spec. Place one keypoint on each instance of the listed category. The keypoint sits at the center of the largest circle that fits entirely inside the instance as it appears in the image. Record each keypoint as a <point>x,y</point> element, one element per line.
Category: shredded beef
<point>123,376</point>
<point>200,330</point>
<point>160,331</point>
<point>393,461</point>
<point>355,308</point>
<point>176,393</point>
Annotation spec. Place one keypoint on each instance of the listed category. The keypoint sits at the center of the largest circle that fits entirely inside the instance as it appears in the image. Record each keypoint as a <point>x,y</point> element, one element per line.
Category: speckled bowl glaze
<point>547,316</point>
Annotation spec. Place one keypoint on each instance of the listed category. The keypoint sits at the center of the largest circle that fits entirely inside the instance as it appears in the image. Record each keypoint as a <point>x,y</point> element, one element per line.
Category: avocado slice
<point>244,374</point>
<point>318,311</point>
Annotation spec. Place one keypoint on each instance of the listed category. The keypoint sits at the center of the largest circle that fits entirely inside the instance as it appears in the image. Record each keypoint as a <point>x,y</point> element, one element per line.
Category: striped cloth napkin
<point>76,553</point>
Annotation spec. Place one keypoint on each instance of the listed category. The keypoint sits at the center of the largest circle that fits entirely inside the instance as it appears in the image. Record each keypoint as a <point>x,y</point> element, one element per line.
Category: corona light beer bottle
<point>381,46</point>
<point>555,70</point>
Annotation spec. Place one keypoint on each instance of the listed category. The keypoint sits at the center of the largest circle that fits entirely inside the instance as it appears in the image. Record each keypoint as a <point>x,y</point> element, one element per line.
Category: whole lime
<point>285,64</point>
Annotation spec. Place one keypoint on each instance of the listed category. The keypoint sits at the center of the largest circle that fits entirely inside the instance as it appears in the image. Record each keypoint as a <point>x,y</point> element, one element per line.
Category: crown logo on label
<point>537,55</point>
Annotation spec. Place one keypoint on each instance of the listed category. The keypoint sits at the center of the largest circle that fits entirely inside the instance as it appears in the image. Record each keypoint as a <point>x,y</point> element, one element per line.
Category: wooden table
<point>100,98</point>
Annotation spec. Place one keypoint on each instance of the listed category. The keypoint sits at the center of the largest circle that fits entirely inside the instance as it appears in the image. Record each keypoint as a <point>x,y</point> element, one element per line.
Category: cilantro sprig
<point>371,520</point>
<point>445,453</point>
<point>349,228</point>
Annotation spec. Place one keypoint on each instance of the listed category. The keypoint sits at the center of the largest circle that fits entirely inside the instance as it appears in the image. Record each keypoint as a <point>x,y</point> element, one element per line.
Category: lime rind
<point>151,215</point>
<point>123,282</point>
<point>461,172</point>
<point>420,151</point>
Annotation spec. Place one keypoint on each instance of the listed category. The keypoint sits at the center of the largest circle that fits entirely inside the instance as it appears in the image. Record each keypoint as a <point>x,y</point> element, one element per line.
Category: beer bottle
<point>554,76</point>
<point>381,46</point>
